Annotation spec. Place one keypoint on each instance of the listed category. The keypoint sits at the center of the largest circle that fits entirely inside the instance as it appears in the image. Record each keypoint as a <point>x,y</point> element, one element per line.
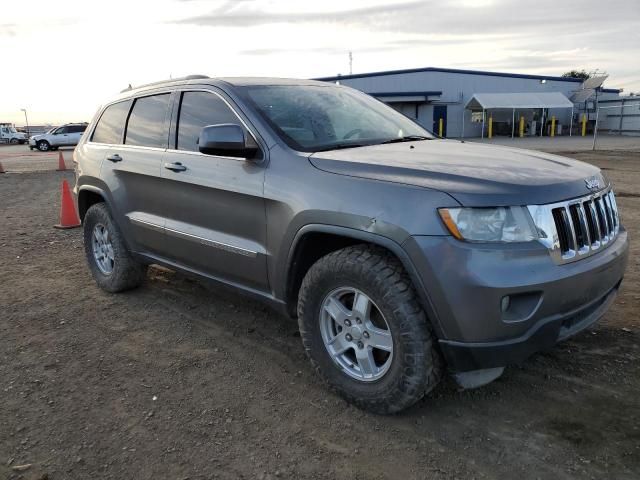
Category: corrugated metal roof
<point>449,70</point>
<point>519,100</point>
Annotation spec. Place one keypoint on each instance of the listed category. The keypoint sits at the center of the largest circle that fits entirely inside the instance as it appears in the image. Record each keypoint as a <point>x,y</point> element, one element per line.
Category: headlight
<point>499,224</point>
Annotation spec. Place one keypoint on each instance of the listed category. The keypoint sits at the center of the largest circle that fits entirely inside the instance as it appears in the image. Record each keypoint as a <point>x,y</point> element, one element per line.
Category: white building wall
<point>458,88</point>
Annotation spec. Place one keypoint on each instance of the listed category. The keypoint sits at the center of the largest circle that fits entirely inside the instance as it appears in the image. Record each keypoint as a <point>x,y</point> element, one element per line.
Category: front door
<point>215,207</point>
<point>60,137</point>
<point>440,112</point>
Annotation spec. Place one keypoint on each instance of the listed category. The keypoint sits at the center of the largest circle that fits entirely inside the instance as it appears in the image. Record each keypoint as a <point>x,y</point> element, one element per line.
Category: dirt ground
<point>181,380</point>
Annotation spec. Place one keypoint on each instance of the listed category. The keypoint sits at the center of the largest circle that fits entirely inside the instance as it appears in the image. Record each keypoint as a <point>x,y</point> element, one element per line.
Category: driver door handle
<point>175,167</point>
<point>114,158</point>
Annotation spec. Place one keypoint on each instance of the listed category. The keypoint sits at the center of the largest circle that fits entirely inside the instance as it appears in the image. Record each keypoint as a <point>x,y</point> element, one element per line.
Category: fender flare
<point>99,191</point>
<point>375,239</point>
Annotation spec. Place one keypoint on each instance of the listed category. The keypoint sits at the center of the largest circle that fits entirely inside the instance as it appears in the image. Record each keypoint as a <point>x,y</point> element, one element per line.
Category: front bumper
<point>467,283</point>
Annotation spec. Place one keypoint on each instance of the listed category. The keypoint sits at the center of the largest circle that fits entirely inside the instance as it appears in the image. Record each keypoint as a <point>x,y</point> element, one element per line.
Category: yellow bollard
<point>553,126</point>
<point>521,127</point>
<point>584,124</point>
<point>440,126</point>
<point>490,127</point>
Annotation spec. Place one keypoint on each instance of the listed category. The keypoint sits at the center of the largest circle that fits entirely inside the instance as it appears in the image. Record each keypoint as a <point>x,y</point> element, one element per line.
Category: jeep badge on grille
<point>592,183</point>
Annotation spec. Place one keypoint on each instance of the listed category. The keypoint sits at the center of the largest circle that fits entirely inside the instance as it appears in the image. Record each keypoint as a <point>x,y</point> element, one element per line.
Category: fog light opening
<point>505,303</point>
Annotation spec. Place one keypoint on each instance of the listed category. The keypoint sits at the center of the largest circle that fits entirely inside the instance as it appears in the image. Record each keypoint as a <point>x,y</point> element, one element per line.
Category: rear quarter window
<point>111,124</point>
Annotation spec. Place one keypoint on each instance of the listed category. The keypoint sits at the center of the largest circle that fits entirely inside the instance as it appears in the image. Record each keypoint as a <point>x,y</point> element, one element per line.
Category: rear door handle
<point>176,167</point>
<point>114,158</point>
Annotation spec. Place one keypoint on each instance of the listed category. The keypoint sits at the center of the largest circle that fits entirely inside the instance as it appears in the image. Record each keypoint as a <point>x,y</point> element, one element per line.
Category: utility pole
<point>350,63</point>
<point>27,121</point>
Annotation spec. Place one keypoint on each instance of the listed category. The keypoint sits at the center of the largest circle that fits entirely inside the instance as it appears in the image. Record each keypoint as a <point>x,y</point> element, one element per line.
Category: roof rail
<point>188,77</point>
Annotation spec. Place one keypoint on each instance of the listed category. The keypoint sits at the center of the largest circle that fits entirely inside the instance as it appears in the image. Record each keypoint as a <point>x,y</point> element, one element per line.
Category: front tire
<point>365,332</point>
<point>111,264</point>
<point>14,141</point>
<point>43,146</point>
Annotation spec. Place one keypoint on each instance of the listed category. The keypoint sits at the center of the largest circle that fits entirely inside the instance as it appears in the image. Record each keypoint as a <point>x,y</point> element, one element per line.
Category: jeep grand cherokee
<point>403,256</point>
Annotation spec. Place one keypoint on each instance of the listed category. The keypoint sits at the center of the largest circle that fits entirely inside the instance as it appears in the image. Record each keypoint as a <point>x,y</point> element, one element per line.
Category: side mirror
<point>227,139</point>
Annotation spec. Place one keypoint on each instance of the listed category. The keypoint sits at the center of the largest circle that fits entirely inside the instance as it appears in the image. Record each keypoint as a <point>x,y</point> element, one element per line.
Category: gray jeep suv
<point>403,256</point>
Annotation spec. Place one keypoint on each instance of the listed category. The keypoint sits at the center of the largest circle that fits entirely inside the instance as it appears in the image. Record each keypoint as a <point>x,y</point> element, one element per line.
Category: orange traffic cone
<point>68,214</point>
<point>2,169</point>
<point>61,165</point>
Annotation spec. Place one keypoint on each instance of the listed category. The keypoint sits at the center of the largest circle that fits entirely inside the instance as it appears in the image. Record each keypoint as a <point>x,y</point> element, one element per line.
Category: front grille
<point>577,228</point>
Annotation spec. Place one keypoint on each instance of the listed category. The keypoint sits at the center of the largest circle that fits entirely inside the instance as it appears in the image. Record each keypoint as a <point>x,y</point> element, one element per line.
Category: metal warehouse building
<point>465,100</point>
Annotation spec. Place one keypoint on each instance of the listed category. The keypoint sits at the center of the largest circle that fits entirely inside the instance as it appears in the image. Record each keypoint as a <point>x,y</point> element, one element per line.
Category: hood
<point>475,174</point>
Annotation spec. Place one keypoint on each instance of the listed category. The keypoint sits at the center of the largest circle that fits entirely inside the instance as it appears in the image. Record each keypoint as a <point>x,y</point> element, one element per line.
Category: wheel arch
<point>89,195</point>
<point>312,242</point>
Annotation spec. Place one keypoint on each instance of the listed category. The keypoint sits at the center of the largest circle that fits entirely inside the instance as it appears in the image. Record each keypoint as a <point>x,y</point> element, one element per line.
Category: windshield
<point>313,118</point>
<point>13,130</point>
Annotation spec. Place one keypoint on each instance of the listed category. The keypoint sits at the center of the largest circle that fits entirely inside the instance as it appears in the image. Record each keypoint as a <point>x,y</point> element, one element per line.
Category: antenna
<point>589,86</point>
<point>350,63</point>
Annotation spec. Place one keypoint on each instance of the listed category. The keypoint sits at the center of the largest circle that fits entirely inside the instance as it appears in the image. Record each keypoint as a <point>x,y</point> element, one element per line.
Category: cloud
<point>546,37</point>
<point>8,29</point>
<point>229,14</point>
<point>545,18</point>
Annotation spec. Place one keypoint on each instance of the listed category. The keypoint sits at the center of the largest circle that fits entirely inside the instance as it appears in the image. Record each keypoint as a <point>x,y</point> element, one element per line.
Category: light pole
<point>26,120</point>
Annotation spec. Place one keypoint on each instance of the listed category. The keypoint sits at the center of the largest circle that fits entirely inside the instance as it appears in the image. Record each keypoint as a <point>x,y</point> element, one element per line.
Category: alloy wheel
<point>356,334</point>
<point>102,249</point>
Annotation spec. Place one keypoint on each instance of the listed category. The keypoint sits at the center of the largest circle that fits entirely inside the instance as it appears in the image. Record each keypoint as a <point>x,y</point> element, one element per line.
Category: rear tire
<point>415,367</point>
<point>113,267</point>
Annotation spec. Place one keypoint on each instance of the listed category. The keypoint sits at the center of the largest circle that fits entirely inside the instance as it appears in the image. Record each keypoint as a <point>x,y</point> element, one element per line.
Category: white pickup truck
<point>9,134</point>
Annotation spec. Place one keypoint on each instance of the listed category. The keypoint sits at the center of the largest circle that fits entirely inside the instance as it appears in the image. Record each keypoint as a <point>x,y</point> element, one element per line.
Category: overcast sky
<point>61,59</point>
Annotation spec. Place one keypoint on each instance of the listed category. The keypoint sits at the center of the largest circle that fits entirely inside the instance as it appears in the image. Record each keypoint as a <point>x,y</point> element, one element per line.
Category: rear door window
<point>197,110</point>
<point>111,124</point>
<point>147,126</point>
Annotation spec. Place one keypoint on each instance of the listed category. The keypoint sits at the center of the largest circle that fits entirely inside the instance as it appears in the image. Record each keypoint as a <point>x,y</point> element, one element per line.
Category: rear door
<point>132,169</point>
<point>75,132</point>
<point>215,208</point>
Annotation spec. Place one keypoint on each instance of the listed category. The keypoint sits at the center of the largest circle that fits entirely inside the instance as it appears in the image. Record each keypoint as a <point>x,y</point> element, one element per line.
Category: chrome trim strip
<point>143,223</point>
<point>205,241</point>
<point>212,243</point>
<point>597,204</point>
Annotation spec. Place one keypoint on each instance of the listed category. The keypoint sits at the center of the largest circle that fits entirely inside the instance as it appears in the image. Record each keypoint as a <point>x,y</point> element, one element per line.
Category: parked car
<point>403,256</point>
<point>9,134</point>
<point>65,136</point>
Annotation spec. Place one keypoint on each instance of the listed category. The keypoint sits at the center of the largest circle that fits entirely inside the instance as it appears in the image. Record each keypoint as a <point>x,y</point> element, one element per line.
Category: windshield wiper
<point>407,138</point>
<point>341,146</point>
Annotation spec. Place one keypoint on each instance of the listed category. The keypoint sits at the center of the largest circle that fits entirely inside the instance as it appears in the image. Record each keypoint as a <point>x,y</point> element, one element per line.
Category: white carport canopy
<point>518,101</point>
<point>488,101</point>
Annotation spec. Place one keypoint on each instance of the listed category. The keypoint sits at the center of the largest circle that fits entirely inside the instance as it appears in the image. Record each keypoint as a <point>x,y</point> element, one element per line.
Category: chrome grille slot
<point>579,225</point>
<point>577,228</point>
<point>592,222</point>
<point>602,220</point>
<point>563,228</point>
<point>607,211</point>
